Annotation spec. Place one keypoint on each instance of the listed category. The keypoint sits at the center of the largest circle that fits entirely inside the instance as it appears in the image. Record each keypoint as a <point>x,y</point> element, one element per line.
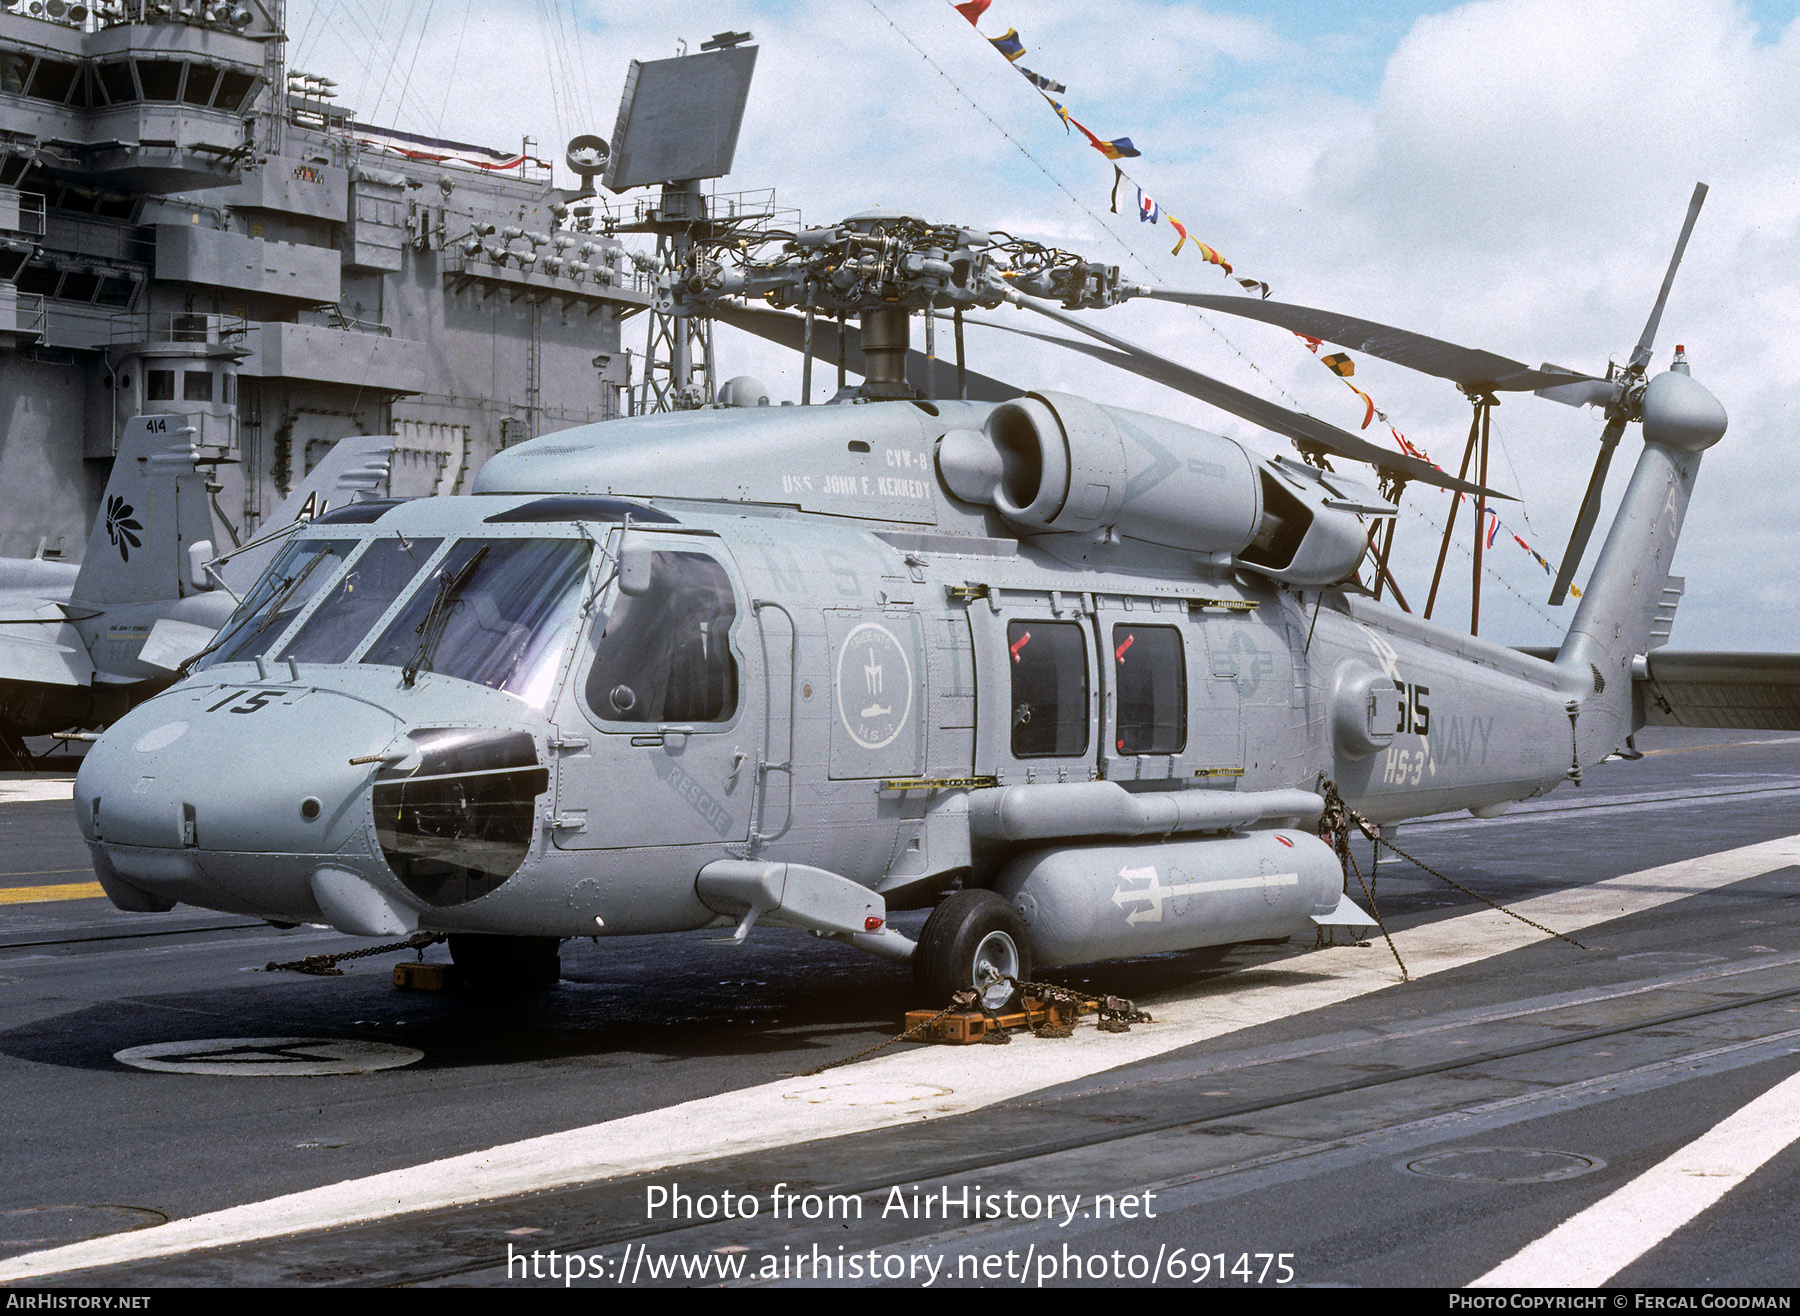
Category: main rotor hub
<point>882,261</point>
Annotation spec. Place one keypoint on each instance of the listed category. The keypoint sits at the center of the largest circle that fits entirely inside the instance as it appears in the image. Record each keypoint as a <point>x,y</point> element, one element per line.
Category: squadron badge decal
<point>874,685</point>
<point>122,527</point>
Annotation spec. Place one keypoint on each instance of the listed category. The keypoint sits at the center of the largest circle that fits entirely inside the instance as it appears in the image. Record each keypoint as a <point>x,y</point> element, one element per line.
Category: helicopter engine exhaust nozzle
<point>1055,462</point>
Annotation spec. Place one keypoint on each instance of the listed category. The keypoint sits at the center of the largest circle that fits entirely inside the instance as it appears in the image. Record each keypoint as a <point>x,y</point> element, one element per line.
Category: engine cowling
<point>1060,463</point>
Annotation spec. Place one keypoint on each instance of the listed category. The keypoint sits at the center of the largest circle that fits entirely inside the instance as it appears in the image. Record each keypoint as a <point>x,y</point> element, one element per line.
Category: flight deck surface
<point>1294,1117</point>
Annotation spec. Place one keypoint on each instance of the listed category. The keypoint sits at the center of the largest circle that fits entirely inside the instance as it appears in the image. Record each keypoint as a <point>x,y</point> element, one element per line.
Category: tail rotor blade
<point>1590,512</point>
<point>1640,356</point>
<point>1623,409</point>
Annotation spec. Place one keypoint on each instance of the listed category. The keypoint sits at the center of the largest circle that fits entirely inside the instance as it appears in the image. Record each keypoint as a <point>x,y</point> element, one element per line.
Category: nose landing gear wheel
<point>973,939</point>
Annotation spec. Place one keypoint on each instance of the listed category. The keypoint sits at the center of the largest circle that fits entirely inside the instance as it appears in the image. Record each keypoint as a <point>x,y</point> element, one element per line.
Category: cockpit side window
<point>367,589</point>
<point>302,569</point>
<point>495,611</point>
<point>665,655</point>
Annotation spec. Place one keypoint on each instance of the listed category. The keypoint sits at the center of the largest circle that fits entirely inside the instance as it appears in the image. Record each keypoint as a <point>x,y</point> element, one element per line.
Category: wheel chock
<point>421,977</point>
<point>966,1026</point>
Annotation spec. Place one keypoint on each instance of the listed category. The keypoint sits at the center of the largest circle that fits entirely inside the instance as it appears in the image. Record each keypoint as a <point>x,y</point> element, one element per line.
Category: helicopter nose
<point>258,771</point>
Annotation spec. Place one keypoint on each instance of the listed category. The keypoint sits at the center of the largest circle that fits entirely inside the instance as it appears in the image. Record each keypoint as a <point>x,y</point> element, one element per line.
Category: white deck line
<point>37,790</point>
<point>928,1083</point>
<point>1592,1246</point>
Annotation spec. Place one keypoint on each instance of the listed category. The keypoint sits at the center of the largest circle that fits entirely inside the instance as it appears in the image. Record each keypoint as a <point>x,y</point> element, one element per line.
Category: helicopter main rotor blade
<point>1307,431</point>
<point>1640,356</point>
<point>1468,367</point>
<point>1583,393</point>
<point>787,330</point>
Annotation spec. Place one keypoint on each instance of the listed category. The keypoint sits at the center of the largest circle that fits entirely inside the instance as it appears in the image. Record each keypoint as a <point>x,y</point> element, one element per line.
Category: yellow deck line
<point>32,895</point>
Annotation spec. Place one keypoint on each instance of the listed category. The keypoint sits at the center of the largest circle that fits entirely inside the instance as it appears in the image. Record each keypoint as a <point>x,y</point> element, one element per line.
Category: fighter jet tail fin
<point>153,514</point>
<point>356,466</point>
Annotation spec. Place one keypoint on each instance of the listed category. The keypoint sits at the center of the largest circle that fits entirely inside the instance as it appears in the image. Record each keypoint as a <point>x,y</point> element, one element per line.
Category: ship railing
<point>335,318</point>
<point>180,327</point>
<point>755,207</point>
<point>22,312</point>
<point>21,212</point>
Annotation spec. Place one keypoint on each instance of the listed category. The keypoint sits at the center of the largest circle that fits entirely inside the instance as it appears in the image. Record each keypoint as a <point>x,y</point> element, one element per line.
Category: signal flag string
<point>1343,366</point>
<point>1273,385</point>
<point>1011,46</point>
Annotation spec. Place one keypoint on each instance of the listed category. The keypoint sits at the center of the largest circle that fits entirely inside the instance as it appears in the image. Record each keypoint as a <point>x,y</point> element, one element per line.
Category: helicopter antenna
<point>677,127</point>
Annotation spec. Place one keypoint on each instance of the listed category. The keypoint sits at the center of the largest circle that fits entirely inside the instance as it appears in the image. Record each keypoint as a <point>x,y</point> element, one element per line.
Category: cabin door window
<point>1049,714</point>
<point>1149,690</point>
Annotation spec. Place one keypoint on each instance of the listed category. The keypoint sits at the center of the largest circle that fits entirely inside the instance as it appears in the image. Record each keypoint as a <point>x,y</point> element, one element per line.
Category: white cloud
<point>1515,182</point>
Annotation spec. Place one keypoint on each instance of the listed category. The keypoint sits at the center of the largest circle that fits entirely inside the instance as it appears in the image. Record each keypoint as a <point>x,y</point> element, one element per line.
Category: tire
<point>506,962</point>
<point>972,932</point>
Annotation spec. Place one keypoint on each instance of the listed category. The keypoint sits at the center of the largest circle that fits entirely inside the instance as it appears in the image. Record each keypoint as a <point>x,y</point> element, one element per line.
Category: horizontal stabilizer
<point>1348,914</point>
<point>44,654</point>
<point>1735,691</point>
<point>171,643</point>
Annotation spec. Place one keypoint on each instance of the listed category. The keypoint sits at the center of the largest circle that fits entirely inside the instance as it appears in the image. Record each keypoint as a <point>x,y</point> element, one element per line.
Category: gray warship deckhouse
<point>187,226</point>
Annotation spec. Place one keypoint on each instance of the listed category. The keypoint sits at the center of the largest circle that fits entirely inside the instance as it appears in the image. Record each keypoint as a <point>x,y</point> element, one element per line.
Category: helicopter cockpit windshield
<point>279,595</point>
<point>495,611</point>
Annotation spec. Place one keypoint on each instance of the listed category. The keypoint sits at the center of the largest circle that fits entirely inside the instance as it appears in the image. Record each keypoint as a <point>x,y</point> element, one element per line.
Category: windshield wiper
<point>272,611</point>
<point>431,626</point>
<point>287,591</point>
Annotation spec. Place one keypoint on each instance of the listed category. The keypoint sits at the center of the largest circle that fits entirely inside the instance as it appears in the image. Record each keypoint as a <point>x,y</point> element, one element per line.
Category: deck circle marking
<point>1502,1165</point>
<point>263,1057</point>
<point>1671,959</point>
<point>877,707</point>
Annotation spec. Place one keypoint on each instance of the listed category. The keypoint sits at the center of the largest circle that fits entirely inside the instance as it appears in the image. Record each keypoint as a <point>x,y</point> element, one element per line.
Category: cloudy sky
<point>1508,174</point>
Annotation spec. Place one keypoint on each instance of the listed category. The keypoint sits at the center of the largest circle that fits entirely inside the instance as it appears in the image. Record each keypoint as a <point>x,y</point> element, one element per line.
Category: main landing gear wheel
<point>973,939</point>
<point>506,962</point>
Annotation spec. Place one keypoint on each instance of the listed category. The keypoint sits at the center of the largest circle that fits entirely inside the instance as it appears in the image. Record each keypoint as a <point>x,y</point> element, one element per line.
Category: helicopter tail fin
<point>154,509</point>
<point>1623,613</point>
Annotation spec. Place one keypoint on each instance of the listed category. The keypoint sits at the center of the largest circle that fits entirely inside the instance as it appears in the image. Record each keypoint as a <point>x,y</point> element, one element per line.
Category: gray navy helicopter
<point>1078,678</point>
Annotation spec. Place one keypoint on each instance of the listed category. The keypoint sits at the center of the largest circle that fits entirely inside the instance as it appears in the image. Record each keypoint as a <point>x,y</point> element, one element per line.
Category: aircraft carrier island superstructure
<point>188,226</point>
